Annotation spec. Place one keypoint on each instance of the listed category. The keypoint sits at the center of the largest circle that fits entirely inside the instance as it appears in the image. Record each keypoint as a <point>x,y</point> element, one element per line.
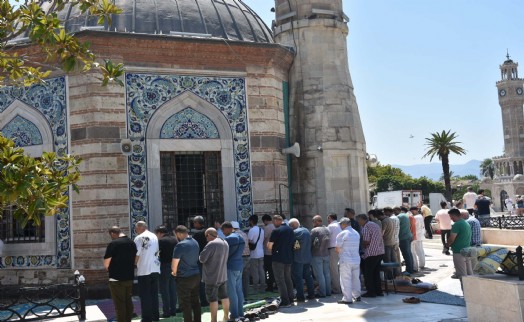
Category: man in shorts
<point>214,272</point>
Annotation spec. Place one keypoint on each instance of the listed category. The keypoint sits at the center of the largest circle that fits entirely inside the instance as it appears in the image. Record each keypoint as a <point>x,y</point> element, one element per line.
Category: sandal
<point>411,300</point>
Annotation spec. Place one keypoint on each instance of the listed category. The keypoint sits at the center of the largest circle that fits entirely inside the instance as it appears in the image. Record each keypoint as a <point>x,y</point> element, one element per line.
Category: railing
<point>503,222</point>
<point>44,302</point>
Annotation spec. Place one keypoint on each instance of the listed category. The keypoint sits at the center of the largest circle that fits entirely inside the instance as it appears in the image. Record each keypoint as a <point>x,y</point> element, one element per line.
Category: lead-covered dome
<point>225,19</point>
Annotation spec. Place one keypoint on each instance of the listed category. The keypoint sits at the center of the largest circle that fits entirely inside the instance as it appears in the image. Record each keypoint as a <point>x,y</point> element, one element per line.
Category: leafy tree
<point>487,168</point>
<point>21,65</point>
<point>35,186</point>
<point>441,145</point>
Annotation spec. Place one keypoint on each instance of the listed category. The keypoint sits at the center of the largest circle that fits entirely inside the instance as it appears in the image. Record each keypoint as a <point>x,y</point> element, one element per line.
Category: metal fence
<point>503,222</point>
<point>43,302</point>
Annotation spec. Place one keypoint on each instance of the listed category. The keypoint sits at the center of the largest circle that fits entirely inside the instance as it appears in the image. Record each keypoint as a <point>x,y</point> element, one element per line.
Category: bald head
<point>294,223</point>
<point>211,234</point>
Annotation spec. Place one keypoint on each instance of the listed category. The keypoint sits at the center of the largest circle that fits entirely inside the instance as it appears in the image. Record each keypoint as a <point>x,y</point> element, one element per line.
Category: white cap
<point>235,225</point>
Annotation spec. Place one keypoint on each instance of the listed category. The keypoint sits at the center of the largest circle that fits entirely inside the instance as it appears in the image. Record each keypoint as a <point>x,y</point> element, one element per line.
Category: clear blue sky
<point>420,66</point>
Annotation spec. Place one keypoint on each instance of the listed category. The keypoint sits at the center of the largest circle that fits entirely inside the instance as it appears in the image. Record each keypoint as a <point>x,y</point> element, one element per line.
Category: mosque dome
<point>223,19</point>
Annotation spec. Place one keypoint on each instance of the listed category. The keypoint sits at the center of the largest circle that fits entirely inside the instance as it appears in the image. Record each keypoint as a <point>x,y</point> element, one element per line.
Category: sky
<point>422,66</point>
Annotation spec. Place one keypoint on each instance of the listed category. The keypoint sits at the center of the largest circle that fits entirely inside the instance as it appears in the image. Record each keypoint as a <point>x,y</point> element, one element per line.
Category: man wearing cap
<point>147,271</point>
<point>214,273</point>
<point>166,244</point>
<point>234,270</point>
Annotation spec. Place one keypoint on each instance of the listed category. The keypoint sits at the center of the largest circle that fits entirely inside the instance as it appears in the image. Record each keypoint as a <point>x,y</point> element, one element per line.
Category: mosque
<point>206,124</point>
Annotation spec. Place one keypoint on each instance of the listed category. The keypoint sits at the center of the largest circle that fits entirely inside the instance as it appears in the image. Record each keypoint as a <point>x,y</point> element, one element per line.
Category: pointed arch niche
<point>155,145</point>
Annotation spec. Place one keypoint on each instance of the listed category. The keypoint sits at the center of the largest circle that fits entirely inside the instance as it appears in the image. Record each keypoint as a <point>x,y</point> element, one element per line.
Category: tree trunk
<point>447,179</point>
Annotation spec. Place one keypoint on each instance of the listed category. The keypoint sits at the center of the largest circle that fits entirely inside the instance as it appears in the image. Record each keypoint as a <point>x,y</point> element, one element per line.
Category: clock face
<point>502,92</point>
<point>519,91</point>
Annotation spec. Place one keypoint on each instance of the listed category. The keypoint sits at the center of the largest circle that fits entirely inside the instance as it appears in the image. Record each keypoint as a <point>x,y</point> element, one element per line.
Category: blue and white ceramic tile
<point>22,131</point>
<point>189,124</point>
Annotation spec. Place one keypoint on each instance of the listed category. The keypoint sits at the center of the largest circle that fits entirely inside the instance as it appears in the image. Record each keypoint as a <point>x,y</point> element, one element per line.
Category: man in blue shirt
<point>302,261</point>
<point>281,246</point>
<point>234,270</point>
<point>185,268</point>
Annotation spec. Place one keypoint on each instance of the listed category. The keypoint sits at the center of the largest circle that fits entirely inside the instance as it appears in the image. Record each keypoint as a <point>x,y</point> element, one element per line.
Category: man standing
<point>334,230</point>
<point>198,234</point>
<point>246,258</point>
<point>320,256</point>
<point>350,213</point>
<point>185,268</point>
<point>444,222</point>
<point>417,246</point>
<point>256,237</point>
<point>388,234</point>
<point>119,261</point>
<point>301,266</point>
<point>428,217</point>
<point>147,271</point>
<point>405,238</point>
<point>234,270</point>
<point>281,246</point>
<point>166,244</point>
<point>214,273</point>
<point>373,254</point>
<point>469,200</point>
<point>268,263</point>
<point>476,240</point>
<point>459,239</point>
<point>348,250</point>
<point>390,213</point>
<point>482,205</point>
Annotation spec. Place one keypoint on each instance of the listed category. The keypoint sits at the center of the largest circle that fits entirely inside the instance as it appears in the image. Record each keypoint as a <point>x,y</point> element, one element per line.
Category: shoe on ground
<point>357,299</point>
<point>411,300</point>
<point>454,276</point>
<point>368,295</point>
<point>345,302</point>
<point>300,300</point>
<point>448,253</point>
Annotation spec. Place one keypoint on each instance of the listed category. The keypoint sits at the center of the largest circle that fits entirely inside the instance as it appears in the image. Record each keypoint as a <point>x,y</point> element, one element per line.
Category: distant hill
<point>434,170</point>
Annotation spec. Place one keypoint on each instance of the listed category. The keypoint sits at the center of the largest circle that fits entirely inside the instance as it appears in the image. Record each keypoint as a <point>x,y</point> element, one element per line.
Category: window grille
<point>12,232</point>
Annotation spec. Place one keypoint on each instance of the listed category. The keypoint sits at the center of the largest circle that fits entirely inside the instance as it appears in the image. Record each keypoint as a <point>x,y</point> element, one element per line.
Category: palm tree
<point>487,168</point>
<point>442,144</point>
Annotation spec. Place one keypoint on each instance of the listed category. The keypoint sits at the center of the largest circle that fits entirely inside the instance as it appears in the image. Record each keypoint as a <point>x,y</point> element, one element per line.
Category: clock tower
<point>331,173</point>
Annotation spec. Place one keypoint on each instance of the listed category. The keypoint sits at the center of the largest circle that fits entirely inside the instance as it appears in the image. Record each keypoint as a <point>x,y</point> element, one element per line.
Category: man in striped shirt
<point>373,254</point>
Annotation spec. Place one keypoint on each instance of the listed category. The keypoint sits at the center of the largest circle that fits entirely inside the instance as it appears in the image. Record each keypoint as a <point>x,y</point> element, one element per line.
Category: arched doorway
<point>503,196</point>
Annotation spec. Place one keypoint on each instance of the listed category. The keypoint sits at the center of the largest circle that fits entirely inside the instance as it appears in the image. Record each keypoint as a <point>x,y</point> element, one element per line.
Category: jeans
<point>444,237</point>
<point>333,270</point>
<point>236,295</point>
<point>121,292</point>
<point>405,248</point>
<point>284,283</point>
<point>245,275</point>
<point>268,268</point>
<point>148,293</point>
<point>302,272</point>
<point>322,274</point>
<point>350,281</point>
<point>427,226</point>
<point>390,256</point>
<point>188,289</point>
<point>167,290</point>
<point>419,258</point>
<point>257,273</point>
<point>372,274</point>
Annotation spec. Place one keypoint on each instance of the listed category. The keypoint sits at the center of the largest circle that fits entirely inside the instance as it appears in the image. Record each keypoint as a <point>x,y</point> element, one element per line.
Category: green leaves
<point>22,66</point>
<point>35,186</point>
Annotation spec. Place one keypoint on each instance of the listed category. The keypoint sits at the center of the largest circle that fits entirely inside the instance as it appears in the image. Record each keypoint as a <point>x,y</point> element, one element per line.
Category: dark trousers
<point>187,289</point>
<point>405,249</point>
<point>284,283</point>
<point>167,290</point>
<point>121,292</point>
<point>148,292</point>
<point>372,274</point>
<point>444,237</point>
<point>268,267</point>
<point>302,272</point>
<point>427,225</point>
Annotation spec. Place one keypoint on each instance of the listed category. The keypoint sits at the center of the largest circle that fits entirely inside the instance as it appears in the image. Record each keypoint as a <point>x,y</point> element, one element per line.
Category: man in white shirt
<point>148,271</point>
<point>256,236</point>
<point>417,247</point>
<point>469,199</point>
<point>347,247</point>
<point>334,230</point>
<point>444,222</point>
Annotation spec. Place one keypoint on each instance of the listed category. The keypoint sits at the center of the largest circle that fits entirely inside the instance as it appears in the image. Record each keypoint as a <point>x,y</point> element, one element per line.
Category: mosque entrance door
<point>191,186</point>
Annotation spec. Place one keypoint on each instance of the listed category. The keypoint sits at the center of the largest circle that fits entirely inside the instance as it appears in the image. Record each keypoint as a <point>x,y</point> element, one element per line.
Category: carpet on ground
<point>439,297</point>
<point>407,289</point>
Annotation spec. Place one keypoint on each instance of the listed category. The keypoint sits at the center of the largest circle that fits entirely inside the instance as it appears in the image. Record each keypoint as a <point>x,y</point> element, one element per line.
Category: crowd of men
<point>217,264</point>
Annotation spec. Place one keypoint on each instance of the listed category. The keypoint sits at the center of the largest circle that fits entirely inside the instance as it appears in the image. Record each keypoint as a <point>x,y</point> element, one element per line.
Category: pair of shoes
<point>415,281</point>
<point>411,300</point>
<point>368,295</point>
<point>357,299</point>
<point>448,253</point>
<point>345,302</point>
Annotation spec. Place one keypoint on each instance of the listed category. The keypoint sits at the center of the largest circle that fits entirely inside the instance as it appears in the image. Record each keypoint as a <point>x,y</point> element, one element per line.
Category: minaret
<point>511,101</point>
<point>330,175</point>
